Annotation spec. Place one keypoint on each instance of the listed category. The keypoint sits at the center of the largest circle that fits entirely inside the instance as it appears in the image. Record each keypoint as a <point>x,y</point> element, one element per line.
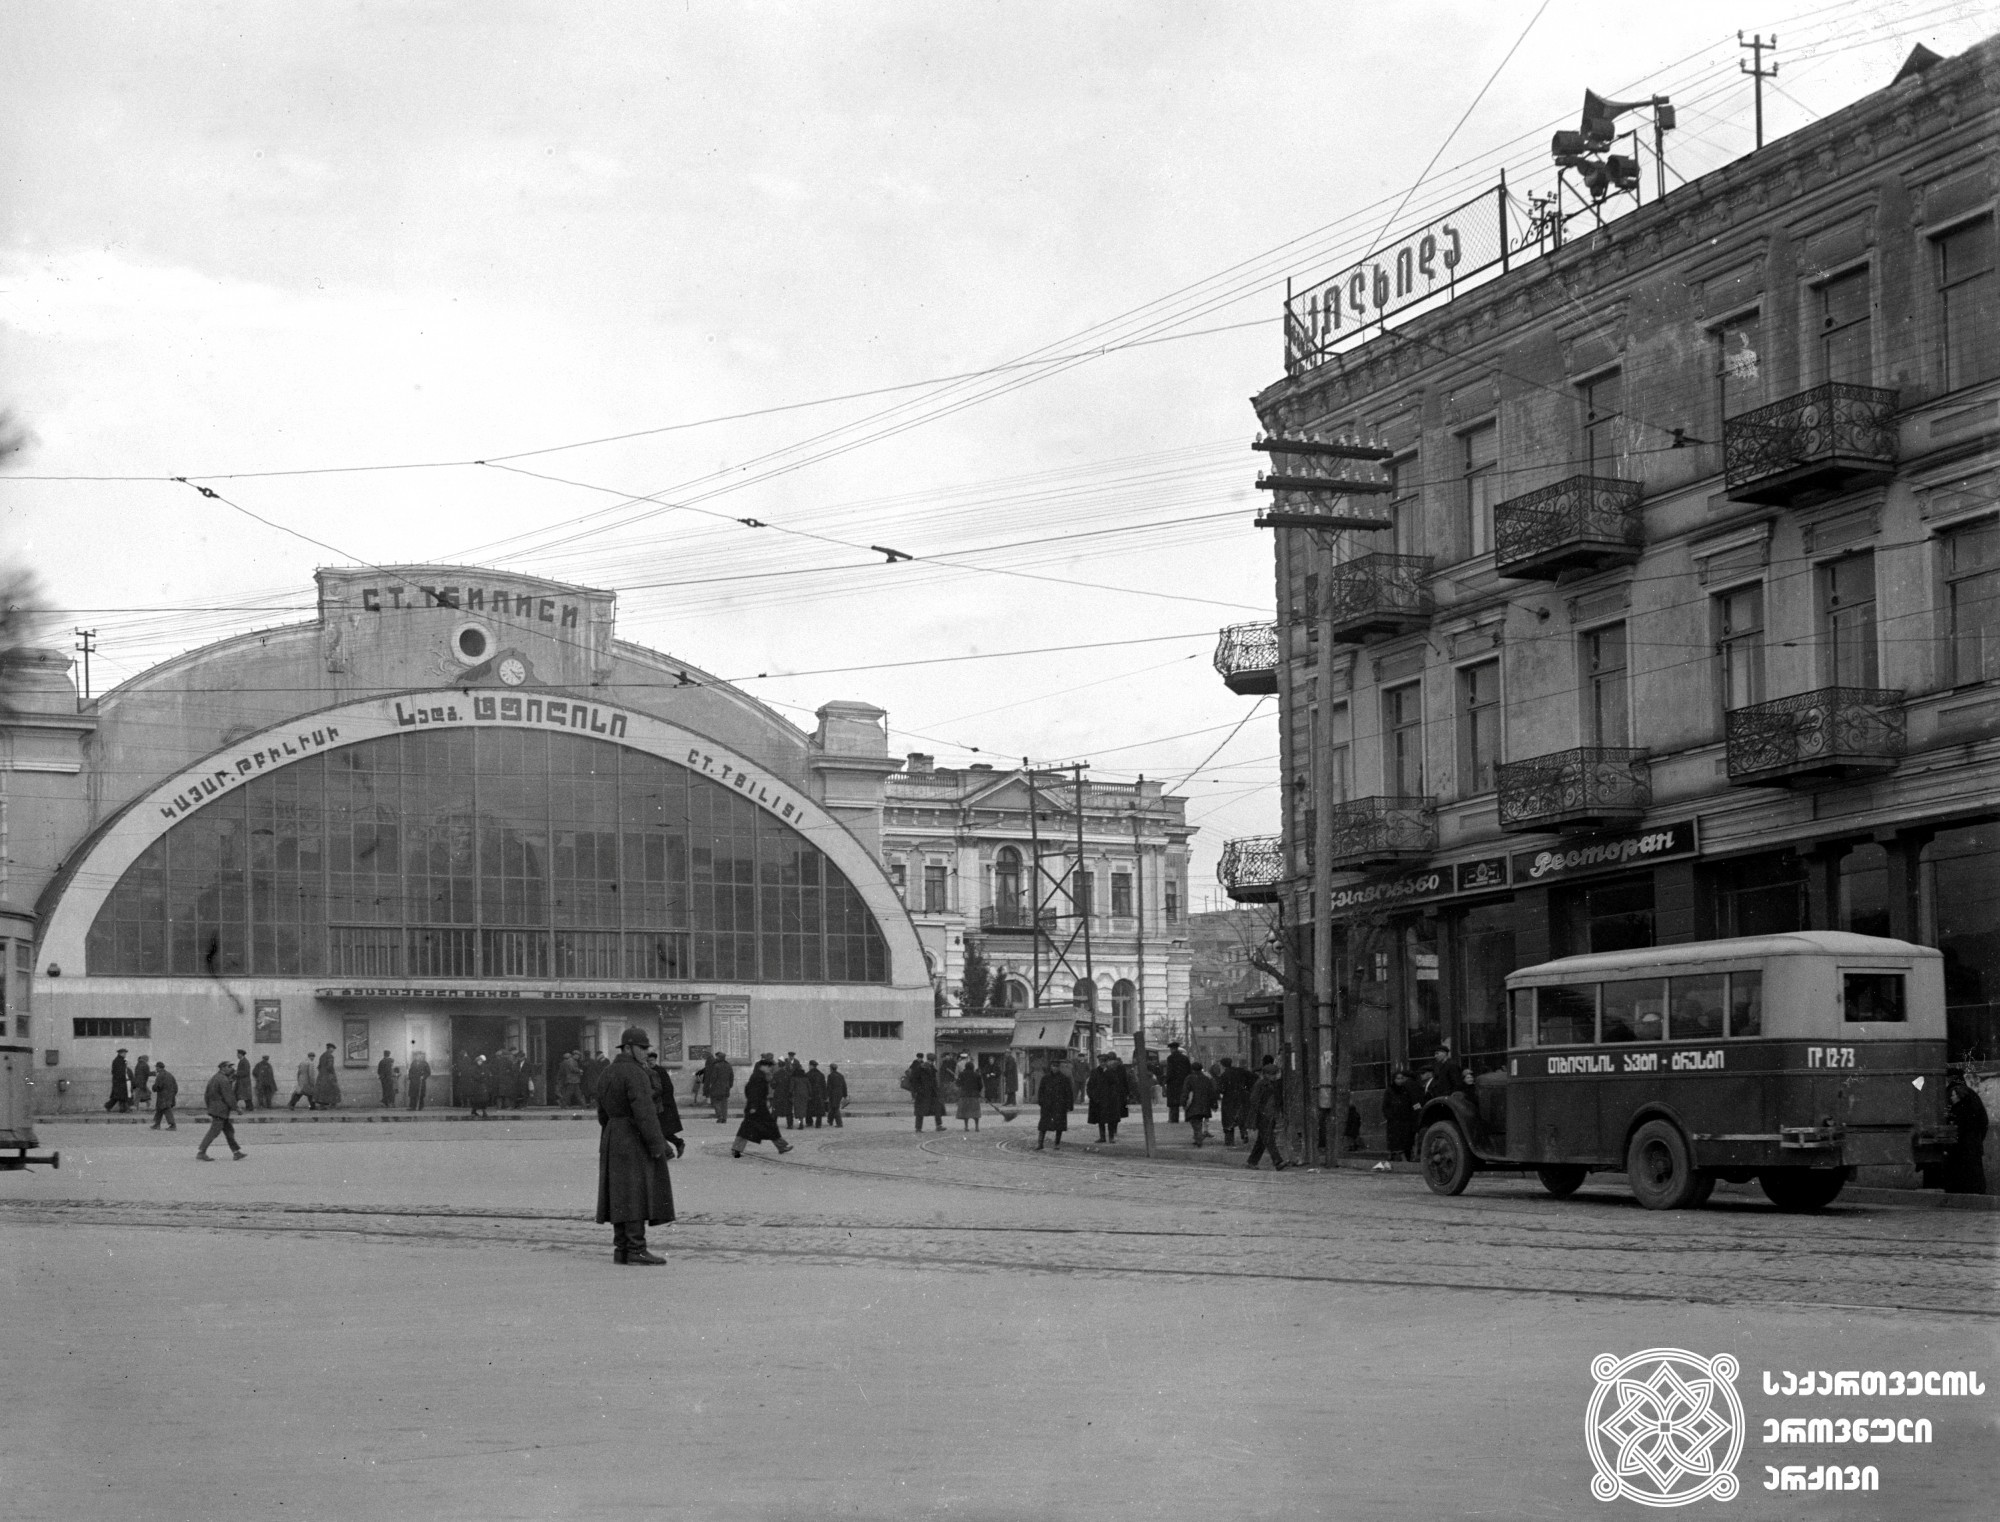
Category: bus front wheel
<point>1802,1188</point>
<point>1561,1179</point>
<point>1658,1167</point>
<point>1445,1159</point>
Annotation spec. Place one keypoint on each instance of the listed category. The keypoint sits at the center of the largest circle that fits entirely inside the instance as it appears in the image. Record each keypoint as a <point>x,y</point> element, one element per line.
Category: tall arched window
<point>1124,1007</point>
<point>1007,879</point>
<point>495,853</point>
<point>1014,994</point>
<point>1084,995</point>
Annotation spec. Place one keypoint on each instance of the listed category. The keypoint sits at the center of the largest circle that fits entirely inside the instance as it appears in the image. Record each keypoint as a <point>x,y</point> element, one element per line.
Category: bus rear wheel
<point>1562,1179</point>
<point>1658,1167</point>
<point>1445,1158</point>
<point>1802,1188</point>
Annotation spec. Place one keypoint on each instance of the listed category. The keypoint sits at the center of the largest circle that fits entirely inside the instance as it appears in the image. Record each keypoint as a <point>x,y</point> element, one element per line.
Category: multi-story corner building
<point>990,860</point>
<point>1685,620</point>
<point>451,813</point>
<point>1232,1004</point>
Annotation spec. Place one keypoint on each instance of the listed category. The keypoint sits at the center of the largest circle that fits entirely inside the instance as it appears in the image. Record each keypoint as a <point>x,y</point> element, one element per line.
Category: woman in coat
<point>633,1189</point>
<point>971,1088</point>
<point>1057,1097</point>
<point>326,1086</point>
<point>759,1124</point>
<point>478,1088</point>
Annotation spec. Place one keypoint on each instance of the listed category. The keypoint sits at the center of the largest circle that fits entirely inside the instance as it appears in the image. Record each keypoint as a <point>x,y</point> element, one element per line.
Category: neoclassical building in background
<point>451,813</point>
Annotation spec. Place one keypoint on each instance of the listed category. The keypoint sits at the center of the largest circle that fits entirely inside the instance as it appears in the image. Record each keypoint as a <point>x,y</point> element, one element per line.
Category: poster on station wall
<point>729,1029</point>
<point>672,1048</point>
<point>354,1042</point>
<point>267,1022</point>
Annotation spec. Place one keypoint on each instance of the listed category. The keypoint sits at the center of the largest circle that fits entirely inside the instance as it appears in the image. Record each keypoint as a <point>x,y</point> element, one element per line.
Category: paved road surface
<point>422,1321</point>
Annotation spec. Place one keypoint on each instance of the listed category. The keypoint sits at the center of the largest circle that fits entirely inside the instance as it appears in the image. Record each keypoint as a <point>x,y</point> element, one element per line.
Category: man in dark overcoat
<point>265,1078</point>
<point>1106,1089</point>
<point>1178,1068</point>
<point>420,1080</point>
<point>569,1080</point>
<point>800,1112</point>
<point>759,1124</point>
<point>326,1086</point>
<point>246,1085</point>
<point>1234,1088</point>
<point>815,1094</point>
<point>836,1093</point>
<point>633,1190</point>
<point>220,1100</point>
<point>1198,1099</point>
<point>1057,1097</point>
<point>166,1094</point>
<point>1399,1113</point>
<point>717,1080</point>
<point>121,1084</point>
<point>1267,1112</point>
<point>921,1079</point>
<point>1447,1077</point>
<point>385,1074</point>
<point>142,1079</point>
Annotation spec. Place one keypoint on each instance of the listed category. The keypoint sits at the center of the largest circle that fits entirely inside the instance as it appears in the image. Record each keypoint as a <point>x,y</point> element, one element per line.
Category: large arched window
<point>490,854</point>
<point>1124,1007</point>
<point>1007,879</point>
<point>1013,994</point>
<point>1084,995</point>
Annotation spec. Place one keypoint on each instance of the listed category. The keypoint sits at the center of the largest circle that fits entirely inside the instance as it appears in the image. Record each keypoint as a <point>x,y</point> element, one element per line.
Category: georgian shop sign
<point>1607,853</point>
<point>1492,874</point>
<point>585,995</point>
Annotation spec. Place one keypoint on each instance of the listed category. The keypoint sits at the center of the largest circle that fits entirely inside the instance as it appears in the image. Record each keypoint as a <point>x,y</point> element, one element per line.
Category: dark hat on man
<point>633,1036</point>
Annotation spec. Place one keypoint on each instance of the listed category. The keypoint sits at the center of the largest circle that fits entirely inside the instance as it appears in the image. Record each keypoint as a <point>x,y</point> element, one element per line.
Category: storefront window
<point>492,854</point>
<point>1423,1016</point>
<point>1864,890</point>
<point>1761,895</point>
<point>1485,957</point>
<point>1963,871</point>
<point>1614,915</point>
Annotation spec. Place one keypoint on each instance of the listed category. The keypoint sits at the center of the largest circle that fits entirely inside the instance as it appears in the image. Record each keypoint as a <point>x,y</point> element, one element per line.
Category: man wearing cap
<point>1447,1077</point>
<point>1178,1068</point>
<point>166,1093</point>
<point>121,1084</point>
<point>1267,1113</point>
<point>220,1099</point>
<point>633,1190</point>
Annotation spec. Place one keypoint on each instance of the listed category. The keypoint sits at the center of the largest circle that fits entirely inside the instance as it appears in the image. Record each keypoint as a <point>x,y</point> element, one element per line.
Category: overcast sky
<point>287,237</point>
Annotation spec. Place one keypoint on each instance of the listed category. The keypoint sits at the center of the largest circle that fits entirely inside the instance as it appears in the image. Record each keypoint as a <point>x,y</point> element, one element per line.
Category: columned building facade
<point>989,860</point>
<point>452,814</point>
<point>1685,622</point>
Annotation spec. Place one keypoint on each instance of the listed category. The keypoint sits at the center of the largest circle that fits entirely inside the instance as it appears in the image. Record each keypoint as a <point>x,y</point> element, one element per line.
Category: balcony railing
<point>1383,832</point>
<point>1252,869</point>
<point>1247,657</point>
<point>1582,523</point>
<point>1830,735</point>
<point>1016,918</point>
<point>1586,788</point>
<point>1377,595</point>
<point>1826,440</point>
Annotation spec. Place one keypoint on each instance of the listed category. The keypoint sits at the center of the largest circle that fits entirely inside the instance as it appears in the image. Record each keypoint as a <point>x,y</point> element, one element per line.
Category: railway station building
<point>451,813</point>
<point>1682,617</point>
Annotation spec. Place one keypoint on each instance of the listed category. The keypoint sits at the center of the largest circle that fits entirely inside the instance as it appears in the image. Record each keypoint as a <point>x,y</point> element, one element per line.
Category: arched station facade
<point>455,816</point>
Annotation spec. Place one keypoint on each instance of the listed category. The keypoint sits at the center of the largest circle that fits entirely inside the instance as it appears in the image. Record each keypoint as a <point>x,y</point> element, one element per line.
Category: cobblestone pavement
<point>398,1321</point>
<point>990,1200</point>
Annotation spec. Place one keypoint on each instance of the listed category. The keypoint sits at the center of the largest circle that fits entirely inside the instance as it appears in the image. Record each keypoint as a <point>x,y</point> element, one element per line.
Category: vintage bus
<point>1791,1059</point>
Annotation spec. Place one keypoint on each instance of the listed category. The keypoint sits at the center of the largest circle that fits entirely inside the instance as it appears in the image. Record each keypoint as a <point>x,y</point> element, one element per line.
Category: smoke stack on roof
<point>917,764</point>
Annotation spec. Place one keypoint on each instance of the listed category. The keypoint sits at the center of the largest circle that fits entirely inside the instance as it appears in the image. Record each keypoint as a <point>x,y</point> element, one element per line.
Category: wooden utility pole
<point>1758,72</point>
<point>1087,902</point>
<point>1139,977</point>
<point>1322,883</point>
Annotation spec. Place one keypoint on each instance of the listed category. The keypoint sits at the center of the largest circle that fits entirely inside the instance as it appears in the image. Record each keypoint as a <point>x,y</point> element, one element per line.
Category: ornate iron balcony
<point>1252,869</point>
<point>1247,657</point>
<point>1586,788</point>
<point>1826,736</point>
<point>1020,918</point>
<point>1582,523</point>
<point>1377,595</point>
<point>1383,831</point>
<point>1826,440</point>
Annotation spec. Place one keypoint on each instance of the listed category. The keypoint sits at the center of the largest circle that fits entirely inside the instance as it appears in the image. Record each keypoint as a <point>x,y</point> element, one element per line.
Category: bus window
<point>1746,1004</point>
<point>1568,1016</point>
<point>1698,1005</point>
<point>1634,1011</point>
<point>1523,1009</point>
<point>1873,996</point>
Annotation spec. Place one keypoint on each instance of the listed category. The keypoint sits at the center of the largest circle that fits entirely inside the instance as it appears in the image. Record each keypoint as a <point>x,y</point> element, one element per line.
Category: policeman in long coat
<point>633,1190</point>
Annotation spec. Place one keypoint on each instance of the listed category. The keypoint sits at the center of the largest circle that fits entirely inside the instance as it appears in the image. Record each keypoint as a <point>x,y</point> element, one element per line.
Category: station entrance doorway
<point>550,1037</point>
